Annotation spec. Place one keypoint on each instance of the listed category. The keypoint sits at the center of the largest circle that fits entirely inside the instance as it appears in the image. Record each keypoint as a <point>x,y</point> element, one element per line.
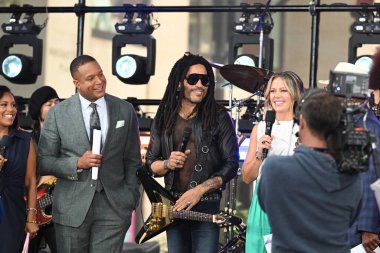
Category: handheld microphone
<point>4,143</point>
<point>270,117</point>
<point>185,139</point>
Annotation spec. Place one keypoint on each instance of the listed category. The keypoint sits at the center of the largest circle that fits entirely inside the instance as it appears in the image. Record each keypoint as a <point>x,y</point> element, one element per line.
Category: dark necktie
<point>94,120</point>
<point>95,124</point>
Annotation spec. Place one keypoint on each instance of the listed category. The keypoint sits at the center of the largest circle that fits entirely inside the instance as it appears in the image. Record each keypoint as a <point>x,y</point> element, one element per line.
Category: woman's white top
<point>283,137</point>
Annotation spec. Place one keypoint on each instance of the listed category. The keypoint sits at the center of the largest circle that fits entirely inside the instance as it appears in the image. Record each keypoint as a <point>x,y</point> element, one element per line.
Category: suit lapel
<point>75,109</point>
<point>112,118</point>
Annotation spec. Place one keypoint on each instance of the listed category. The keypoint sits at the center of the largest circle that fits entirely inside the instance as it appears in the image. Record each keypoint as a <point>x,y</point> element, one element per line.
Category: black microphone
<point>270,117</point>
<point>185,139</point>
<point>4,143</point>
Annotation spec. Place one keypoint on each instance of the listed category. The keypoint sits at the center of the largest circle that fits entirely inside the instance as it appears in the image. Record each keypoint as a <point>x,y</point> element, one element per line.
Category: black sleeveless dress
<point>12,191</point>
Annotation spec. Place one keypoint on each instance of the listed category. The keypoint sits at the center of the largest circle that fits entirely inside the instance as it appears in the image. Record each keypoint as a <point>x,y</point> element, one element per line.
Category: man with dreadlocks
<point>197,175</point>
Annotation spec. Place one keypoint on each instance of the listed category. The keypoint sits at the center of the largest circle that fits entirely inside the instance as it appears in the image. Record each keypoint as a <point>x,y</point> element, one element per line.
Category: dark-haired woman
<point>17,175</point>
<point>40,102</point>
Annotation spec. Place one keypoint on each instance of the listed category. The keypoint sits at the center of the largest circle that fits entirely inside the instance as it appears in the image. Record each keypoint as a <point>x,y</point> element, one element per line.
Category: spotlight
<point>364,62</point>
<point>247,31</point>
<point>247,59</point>
<point>19,68</point>
<point>131,68</point>
<point>238,40</point>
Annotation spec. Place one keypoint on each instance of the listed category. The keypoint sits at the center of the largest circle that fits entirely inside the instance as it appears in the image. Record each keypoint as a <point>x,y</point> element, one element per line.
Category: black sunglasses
<point>193,79</point>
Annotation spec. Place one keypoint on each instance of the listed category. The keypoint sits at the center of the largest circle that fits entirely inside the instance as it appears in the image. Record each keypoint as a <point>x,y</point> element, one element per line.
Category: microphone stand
<point>260,25</point>
<point>232,244</point>
<point>261,38</point>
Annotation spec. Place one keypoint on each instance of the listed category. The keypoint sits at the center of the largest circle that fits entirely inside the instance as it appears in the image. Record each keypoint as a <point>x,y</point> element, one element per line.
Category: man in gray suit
<point>91,213</point>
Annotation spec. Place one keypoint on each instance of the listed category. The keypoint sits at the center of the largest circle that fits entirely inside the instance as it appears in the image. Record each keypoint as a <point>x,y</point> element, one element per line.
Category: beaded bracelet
<point>31,209</point>
<point>32,221</point>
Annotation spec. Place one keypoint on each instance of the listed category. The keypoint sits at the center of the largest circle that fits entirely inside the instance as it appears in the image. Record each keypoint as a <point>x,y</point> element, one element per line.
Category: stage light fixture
<point>247,59</point>
<point>238,40</point>
<point>364,62</point>
<point>18,68</point>
<point>261,20</point>
<point>247,31</point>
<point>131,68</point>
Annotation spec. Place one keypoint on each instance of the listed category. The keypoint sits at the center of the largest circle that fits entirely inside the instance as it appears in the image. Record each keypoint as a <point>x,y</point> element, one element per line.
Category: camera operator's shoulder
<point>277,164</point>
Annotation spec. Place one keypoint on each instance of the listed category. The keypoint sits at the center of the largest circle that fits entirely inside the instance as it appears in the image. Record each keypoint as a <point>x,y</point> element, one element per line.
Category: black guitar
<point>163,216</point>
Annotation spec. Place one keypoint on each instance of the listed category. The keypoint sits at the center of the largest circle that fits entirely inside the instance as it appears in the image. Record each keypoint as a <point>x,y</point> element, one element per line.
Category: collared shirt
<point>101,107</point>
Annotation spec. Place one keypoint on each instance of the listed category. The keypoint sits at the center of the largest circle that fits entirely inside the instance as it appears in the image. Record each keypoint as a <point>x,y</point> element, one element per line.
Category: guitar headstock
<point>223,219</point>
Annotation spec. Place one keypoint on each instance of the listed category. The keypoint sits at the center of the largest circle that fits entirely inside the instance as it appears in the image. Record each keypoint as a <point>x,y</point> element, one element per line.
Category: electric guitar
<point>163,216</point>
<point>44,199</point>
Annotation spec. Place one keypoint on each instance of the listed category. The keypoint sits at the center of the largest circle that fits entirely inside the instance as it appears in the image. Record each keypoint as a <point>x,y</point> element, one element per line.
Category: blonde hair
<point>293,84</point>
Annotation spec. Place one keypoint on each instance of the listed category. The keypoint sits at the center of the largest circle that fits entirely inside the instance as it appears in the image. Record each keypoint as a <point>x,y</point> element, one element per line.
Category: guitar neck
<point>191,215</point>
<point>45,201</point>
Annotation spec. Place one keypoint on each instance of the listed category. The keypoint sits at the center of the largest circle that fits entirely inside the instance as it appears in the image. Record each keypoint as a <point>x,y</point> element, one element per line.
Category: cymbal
<point>245,77</point>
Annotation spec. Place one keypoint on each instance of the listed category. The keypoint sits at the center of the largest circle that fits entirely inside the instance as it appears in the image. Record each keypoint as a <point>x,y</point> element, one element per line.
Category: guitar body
<point>163,216</point>
<point>156,194</point>
<point>44,200</point>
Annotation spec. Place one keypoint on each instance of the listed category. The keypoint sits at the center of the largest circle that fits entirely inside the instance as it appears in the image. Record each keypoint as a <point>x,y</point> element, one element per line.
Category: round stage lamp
<point>364,62</point>
<point>131,69</point>
<point>12,66</point>
<point>246,59</point>
<point>16,68</point>
<point>126,66</point>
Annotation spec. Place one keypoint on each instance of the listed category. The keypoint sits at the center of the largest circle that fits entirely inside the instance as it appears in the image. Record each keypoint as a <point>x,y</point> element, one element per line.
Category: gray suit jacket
<point>64,139</point>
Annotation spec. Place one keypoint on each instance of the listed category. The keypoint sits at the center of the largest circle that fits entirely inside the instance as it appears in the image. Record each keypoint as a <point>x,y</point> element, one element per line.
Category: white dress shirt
<point>101,107</point>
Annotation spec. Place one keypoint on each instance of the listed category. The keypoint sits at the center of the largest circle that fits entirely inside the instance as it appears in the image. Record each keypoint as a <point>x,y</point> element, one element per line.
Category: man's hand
<point>370,241</point>
<point>192,196</point>
<point>177,159</point>
<point>188,199</point>
<point>89,160</point>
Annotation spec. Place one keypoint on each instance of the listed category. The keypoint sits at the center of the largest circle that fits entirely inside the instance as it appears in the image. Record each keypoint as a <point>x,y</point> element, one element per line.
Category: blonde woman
<point>283,96</point>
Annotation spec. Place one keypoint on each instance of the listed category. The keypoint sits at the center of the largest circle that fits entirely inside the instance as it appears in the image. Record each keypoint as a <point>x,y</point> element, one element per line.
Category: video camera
<point>352,143</point>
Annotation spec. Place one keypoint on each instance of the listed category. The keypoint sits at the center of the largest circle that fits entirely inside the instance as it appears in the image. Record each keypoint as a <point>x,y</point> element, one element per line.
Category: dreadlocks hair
<point>374,74</point>
<point>170,104</point>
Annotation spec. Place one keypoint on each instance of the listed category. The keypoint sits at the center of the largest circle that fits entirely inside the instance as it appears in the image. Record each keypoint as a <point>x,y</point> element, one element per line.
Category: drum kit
<point>250,79</point>
<point>253,80</point>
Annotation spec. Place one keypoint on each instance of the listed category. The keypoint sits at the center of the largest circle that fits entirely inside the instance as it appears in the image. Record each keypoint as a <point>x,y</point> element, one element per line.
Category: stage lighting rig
<point>131,68</point>
<point>365,23</point>
<point>142,24</point>
<point>253,22</point>
<point>15,67</point>
<point>21,24</point>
